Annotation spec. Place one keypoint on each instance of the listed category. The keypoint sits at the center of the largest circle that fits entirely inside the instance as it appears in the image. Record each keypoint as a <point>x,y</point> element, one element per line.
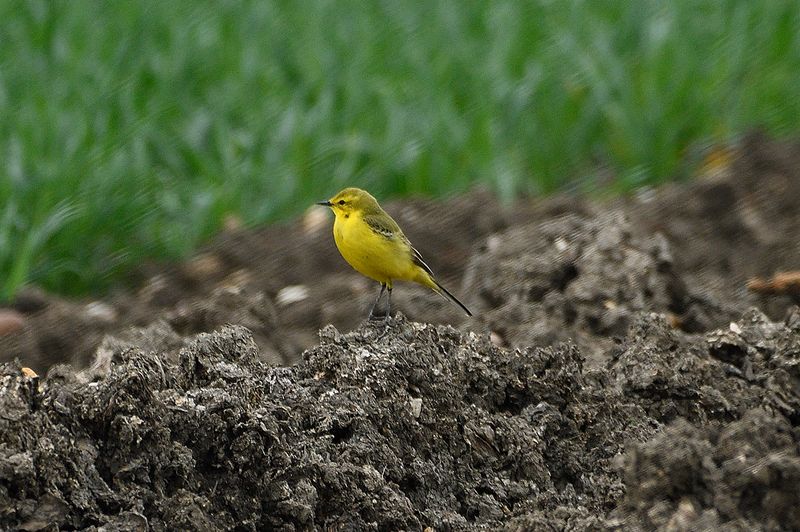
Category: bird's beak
<point>325,203</point>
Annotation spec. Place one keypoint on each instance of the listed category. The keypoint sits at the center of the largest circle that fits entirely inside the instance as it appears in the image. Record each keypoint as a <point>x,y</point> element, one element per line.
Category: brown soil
<point>618,374</point>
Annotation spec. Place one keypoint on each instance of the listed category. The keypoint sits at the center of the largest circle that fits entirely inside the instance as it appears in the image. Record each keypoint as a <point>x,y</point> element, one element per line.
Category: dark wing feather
<point>383,225</point>
<point>417,258</point>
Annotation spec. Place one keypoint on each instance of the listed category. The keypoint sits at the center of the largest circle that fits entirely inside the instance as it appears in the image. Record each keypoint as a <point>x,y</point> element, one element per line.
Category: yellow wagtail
<point>372,243</point>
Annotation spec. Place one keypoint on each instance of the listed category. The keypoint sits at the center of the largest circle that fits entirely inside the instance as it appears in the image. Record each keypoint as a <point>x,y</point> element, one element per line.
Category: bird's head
<point>352,200</point>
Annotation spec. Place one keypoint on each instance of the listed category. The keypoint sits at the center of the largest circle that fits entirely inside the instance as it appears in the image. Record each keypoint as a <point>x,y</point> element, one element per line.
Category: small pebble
<point>291,294</point>
<point>496,339</point>
<point>416,406</point>
<point>101,312</point>
<point>11,321</point>
<point>232,222</point>
<point>203,266</point>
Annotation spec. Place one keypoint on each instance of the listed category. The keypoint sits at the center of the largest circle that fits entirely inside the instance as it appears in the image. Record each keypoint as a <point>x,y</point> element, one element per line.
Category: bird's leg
<point>372,315</point>
<point>387,318</point>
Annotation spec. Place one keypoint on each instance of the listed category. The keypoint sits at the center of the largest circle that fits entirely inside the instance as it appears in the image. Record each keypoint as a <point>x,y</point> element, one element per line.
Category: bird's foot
<point>387,320</point>
<point>380,313</point>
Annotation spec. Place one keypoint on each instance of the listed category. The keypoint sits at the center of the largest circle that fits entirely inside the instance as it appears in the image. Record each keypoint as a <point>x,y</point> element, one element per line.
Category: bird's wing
<point>388,228</point>
<point>416,256</point>
<point>384,226</point>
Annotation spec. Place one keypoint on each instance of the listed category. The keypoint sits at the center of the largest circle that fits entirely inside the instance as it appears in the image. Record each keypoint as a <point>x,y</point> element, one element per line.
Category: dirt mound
<point>580,278</point>
<point>618,375</point>
<point>412,427</point>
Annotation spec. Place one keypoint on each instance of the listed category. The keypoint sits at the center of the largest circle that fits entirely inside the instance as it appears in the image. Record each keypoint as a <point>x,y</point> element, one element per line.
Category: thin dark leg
<point>372,315</point>
<point>387,318</point>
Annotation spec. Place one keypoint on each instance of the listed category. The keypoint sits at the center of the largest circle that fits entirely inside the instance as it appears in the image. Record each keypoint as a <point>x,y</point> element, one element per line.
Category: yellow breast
<point>374,255</point>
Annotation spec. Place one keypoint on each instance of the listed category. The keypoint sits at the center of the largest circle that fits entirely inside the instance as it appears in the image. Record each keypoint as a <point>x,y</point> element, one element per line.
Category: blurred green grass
<point>129,130</point>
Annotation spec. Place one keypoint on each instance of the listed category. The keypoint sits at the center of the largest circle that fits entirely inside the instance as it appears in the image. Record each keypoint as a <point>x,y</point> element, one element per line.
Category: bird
<point>375,246</point>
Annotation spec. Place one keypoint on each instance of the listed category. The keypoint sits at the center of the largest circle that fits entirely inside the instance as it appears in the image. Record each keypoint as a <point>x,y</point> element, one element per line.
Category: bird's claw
<point>387,324</point>
<point>377,317</point>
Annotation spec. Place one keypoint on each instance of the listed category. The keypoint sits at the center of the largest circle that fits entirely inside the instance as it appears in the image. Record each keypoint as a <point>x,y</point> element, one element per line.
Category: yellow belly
<point>372,254</point>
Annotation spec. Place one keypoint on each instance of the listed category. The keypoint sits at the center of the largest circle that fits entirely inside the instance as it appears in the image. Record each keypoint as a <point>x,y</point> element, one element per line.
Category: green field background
<point>130,130</point>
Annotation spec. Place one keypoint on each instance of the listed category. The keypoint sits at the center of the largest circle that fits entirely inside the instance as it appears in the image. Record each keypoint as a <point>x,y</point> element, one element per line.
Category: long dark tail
<point>450,297</point>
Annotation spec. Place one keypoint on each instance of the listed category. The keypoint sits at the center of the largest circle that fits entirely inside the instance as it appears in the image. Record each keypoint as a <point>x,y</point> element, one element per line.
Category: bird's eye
<point>341,202</point>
